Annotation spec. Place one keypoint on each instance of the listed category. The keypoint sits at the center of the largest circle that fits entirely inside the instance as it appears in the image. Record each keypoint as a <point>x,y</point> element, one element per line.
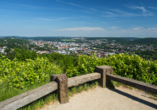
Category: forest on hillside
<point>121,40</point>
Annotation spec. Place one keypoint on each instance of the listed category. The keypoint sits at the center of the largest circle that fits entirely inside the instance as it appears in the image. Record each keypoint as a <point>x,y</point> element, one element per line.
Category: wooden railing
<point>61,84</point>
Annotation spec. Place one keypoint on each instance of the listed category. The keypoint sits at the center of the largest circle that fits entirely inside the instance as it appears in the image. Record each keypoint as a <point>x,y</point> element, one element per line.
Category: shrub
<point>130,66</point>
<point>21,74</point>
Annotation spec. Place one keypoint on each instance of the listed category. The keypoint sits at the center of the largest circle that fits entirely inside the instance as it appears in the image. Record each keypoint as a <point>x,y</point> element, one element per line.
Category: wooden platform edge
<point>134,83</point>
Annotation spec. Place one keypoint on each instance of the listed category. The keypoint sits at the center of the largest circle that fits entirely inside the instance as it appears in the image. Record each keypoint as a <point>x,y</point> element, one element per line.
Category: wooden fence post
<point>62,87</point>
<point>104,70</point>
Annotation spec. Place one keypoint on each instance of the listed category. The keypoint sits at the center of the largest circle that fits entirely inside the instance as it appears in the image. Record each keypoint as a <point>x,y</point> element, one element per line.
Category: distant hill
<point>51,38</point>
<point>145,41</point>
<point>57,39</point>
<point>131,38</point>
<point>121,40</point>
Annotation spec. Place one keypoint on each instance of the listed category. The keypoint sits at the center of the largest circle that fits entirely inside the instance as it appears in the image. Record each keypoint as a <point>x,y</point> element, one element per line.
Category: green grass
<point>9,92</point>
<point>52,97</point>
<point>82,87</point>
<point>117,84</point>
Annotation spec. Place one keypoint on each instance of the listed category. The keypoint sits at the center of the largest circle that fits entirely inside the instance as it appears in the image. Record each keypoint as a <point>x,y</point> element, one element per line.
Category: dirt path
<point>106,99</point>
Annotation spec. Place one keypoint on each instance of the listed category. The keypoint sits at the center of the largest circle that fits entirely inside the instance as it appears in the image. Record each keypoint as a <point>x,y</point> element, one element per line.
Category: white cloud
<point>154,28</point>
<point>137,7</point>
<point>109,29</point>
<point>24,5</point>
<point>88,11</point>
<point>144,11</point>
<point>64,18</point>
<point>50,19</point>
<point>120,13</point>
<point>80,29</point>
<point>145,29</point>
<point>78,32</point>
<point>138,28</point>
<point>133,32</point>
<point>77,22</point>
<point>46,19</point>
<point>113,27</point>
<point>91,9</point>
<point>153,8</point>
<point>102,32</point>
<point>70,3</point>
<point>109,13</point>
<point>73,4</point>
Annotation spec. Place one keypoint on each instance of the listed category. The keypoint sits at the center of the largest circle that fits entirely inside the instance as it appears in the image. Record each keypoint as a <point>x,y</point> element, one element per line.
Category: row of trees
<point>64,61</point>
<point>20,54</point>
<point>13,42</point>
<point>148,55</point>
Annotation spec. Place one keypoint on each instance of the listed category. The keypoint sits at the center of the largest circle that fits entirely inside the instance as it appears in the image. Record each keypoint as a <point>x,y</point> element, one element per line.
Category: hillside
<point>145,41</point>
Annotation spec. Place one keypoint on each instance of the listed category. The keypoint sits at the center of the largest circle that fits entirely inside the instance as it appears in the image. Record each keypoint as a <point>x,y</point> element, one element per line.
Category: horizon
<point>79,18</point>
<point>70,37</point>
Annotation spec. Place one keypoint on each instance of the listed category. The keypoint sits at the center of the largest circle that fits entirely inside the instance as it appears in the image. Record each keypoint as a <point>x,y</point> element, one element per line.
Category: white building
<point>2,50</point>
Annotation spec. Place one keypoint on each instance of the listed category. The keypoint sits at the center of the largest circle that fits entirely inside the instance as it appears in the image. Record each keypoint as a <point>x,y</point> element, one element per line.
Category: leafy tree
<point>7,50</point>
<point>23,54</point>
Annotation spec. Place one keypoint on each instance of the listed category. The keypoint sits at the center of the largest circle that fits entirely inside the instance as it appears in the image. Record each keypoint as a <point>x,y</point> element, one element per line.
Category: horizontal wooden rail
<point>133,83</point>
<point>28,97</point>
<point>32,95</point>
<point>82,79</point>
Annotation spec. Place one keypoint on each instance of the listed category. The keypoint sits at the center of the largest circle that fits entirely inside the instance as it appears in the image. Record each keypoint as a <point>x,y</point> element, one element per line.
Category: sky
<point>78,18</point>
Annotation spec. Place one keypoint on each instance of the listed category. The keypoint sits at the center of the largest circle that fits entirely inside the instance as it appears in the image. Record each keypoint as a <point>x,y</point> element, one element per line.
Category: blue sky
<point>78,18</point>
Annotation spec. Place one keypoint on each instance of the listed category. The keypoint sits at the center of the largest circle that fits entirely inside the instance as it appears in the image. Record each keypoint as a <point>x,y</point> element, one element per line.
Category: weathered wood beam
<point>21,100</point>
<point>62,87</point>
<point>104,70</point>
<point>83,79</point>
<point>133,83</point>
